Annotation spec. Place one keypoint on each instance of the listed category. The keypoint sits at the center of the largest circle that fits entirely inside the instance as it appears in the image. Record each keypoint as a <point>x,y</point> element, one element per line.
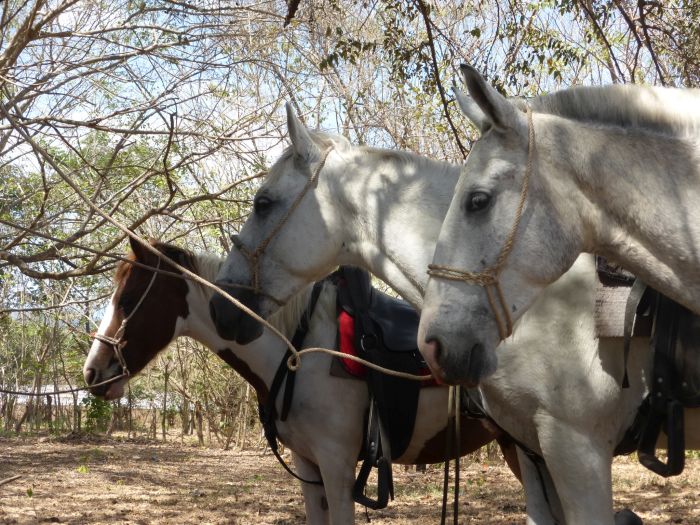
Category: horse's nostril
<point>90,375</point>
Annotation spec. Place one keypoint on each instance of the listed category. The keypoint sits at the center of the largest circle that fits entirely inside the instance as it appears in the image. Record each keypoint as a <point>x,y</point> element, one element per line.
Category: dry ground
<point>111,481</point>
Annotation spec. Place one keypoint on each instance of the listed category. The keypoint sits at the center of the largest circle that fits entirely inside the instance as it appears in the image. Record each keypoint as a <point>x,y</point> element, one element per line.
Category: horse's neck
<point>396,203</point>
<point>638,200</point>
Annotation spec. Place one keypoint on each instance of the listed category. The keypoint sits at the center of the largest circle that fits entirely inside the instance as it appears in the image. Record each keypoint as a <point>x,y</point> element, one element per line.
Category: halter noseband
<point>488,278</point>
<point>253,257</point>
<point>117,342</point>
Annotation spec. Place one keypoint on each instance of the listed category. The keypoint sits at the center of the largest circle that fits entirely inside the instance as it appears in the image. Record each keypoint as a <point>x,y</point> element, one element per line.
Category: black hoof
<point>627,517</point>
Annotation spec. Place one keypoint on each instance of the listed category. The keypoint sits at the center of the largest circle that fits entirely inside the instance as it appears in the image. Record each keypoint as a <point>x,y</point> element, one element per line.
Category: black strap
<point>267,412</point>
<point>635,305</point>
<point>666,410</point>
<point>452,450</point>
<point>297,340</point>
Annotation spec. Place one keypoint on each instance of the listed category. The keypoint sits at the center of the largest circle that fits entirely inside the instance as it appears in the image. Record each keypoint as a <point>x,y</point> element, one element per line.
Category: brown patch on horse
<point>474,434</point>
<point>153,326</point>
<point>245,372</point>
<point>510,453</point>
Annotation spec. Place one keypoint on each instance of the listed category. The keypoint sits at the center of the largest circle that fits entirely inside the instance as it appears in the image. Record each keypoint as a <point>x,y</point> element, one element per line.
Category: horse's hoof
<point>627,517</point>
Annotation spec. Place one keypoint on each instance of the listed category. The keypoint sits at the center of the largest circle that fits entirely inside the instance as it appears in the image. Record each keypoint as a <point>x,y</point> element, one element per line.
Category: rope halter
<point>117,341</point>
<point>253,257</point>
<point>488,278</point>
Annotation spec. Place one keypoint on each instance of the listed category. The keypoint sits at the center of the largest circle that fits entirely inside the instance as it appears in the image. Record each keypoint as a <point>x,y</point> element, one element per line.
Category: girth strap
<point>267,412</point>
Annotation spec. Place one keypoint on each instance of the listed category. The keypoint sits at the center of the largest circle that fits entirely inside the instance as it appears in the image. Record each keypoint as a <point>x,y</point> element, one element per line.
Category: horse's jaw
<point>116,390</point>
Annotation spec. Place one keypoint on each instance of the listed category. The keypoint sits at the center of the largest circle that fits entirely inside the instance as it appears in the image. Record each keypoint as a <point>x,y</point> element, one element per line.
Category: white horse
<point>613,170</point>
<point>324,428</point>
<point>557,389</point>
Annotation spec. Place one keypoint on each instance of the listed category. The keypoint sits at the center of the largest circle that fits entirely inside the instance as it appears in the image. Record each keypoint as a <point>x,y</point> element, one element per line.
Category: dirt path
<point>117,482</point>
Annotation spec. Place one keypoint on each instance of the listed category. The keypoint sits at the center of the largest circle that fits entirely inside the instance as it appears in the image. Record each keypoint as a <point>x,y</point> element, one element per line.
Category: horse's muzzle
<point>231,322</point>
<point>94,376</point>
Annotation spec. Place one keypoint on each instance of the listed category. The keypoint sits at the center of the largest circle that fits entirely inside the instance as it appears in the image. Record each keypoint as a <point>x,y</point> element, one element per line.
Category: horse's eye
<point>478,201</point>
<point>127,305</point>
<point>262,204</point>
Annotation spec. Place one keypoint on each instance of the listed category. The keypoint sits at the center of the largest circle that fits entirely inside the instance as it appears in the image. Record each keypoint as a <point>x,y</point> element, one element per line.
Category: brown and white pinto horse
<point>324,428</point>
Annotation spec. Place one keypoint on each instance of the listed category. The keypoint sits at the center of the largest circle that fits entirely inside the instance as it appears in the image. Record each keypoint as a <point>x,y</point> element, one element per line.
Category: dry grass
<point>111,481</point>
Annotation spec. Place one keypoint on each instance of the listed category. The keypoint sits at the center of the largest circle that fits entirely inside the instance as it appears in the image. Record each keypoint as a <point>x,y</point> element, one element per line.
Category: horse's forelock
<point>124,268</point>
<point>183,257</point>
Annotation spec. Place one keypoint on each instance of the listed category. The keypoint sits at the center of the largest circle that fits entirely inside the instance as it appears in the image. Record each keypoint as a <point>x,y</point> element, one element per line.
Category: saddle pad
<point>610,304</point>
<point>346,336</point>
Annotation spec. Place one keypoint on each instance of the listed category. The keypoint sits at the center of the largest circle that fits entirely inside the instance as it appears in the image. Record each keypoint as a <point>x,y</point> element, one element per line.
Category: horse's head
<point>290,239</point>
<point>500,243</point>
<point>151,306</point>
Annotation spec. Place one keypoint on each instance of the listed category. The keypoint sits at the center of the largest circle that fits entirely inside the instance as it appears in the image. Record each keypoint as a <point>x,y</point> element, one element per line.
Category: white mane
<point>421,164</point>
<point>666,110</point>
<point>340,143</point>
<point>288,317</point>
<point>205,265</point>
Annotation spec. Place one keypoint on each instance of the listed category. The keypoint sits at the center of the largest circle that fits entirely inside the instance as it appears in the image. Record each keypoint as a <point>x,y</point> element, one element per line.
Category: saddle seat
<point>397,322</point>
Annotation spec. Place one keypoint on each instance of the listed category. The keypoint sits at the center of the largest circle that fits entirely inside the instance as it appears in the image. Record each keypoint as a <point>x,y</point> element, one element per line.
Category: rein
<point>488,278</point>
<point>253,257</point>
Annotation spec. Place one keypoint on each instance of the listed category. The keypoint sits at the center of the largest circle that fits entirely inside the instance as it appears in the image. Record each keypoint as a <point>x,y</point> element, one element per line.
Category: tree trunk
<point>164,414</point>
<point>130,416</point>
<point>198,417</point>
<point>49,412</point>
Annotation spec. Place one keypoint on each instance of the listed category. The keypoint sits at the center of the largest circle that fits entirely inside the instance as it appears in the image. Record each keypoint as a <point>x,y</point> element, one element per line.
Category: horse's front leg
<point>580,466</point>
<point>315,502</point>
<point>338,472</point>
<point>541,499</point>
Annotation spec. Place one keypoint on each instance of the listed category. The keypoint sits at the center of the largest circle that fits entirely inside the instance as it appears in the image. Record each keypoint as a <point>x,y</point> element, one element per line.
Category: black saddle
<point>675,381</point>
<point>396,321</point>
<point>385,334</point>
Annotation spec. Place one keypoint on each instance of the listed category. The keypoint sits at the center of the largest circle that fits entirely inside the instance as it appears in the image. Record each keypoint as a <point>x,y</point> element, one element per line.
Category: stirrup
<point>676,441</point>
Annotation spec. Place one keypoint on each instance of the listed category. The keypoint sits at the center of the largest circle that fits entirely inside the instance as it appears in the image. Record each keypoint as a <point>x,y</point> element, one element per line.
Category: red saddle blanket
<point>346,339</point>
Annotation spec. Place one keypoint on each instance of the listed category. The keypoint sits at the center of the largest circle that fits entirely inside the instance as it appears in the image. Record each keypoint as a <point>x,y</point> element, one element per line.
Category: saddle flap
<point>396,320</point>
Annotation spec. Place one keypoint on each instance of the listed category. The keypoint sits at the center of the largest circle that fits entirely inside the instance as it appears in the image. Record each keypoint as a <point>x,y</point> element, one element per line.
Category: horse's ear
<point>471,109</point>
<point>303,144</point>
<point>497,110</point>
<point>139,250</point>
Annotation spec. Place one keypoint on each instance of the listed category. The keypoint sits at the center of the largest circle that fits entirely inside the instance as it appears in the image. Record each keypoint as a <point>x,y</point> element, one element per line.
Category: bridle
<point>117,342</point>
<point>488,278</point>
<point>253,257</point>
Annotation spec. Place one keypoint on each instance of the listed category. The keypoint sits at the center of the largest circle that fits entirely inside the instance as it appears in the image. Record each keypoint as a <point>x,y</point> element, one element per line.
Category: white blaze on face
<point>109,314</point>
